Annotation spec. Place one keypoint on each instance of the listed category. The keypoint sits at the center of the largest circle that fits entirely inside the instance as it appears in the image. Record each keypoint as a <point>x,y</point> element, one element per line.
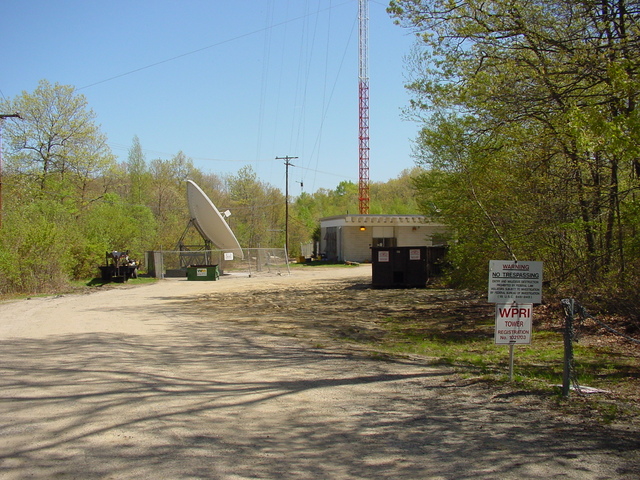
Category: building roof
<point>378,219</point>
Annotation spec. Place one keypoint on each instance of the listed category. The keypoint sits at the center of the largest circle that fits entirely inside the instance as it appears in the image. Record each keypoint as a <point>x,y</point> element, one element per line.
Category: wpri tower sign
<point>514,287</point>
<point>513,324</point>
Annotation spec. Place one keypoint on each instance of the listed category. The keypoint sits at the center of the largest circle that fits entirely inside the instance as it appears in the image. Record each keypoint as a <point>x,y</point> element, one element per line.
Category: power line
<point>208,47</point>
<point>233,160</point>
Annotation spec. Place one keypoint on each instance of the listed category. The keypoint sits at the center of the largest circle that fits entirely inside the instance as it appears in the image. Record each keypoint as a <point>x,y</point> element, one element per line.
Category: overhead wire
<point>281,69</point>
<point>198,50</point>
<point>326,105</point>
<point>307,44</point>
<point>309,157</point>
<point>222,160</point>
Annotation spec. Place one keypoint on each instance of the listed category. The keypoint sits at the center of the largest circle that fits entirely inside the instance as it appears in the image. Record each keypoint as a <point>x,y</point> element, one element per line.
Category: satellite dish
<point>210,221</point>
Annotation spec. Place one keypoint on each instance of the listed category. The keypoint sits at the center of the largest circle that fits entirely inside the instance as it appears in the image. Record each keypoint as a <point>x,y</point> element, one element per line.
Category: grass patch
<point>468,346</point>
<point>77,286</point>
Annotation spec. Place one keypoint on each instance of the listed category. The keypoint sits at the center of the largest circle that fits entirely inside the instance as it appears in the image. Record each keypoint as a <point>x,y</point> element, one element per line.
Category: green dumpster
<point>203,272</point>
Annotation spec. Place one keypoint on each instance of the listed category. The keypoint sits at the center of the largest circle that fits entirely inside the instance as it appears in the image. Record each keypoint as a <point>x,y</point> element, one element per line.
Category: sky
<point>228,83</point>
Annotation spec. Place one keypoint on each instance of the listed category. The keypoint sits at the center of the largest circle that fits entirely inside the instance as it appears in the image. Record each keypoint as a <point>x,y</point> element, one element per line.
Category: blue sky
<point>229,83</point>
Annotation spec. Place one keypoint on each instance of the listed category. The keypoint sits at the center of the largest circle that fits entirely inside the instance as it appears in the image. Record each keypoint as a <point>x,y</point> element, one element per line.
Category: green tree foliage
<point>139,175</point>
<point>57,150</point>
<point>257,210</point>
<point>531,131</point>
<point>167,197</point>
<point>114,224</point>
<point>56,224</point>
<point>37,248</point>
<point>67,203</point>
<point>396,196</point>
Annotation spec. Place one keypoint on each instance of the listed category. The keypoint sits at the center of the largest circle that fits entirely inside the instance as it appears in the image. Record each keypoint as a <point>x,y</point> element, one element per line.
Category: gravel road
<point>143,382</point>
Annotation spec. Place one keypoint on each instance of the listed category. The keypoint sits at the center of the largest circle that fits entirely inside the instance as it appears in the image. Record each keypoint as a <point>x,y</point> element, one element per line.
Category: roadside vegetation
<point>67,200</point>
<point>530,138</point>
<point>602,361</point>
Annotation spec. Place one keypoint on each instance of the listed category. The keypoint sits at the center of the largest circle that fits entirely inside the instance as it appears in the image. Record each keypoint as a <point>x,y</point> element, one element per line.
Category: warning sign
<point>513,324</point>
<point>519,282</point>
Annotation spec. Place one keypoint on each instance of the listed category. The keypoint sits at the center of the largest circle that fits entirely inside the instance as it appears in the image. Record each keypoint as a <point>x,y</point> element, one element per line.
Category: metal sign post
<point>511,362</point>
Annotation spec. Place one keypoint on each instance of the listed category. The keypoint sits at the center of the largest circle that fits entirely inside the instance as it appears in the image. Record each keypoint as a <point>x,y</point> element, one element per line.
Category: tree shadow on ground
<point>214,399</point>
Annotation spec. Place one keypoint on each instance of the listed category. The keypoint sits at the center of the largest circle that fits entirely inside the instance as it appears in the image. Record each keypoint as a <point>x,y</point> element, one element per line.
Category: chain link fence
<point>249,261</point>
<point>575,314</point>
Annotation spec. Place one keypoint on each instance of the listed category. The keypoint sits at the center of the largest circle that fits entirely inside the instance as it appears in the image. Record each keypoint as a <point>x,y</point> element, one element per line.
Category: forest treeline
<point>531,136</point>
<point>67,200</point>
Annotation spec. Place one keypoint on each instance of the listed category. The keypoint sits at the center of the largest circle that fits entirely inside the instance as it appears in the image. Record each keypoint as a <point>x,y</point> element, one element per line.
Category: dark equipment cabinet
<point>405,267</point>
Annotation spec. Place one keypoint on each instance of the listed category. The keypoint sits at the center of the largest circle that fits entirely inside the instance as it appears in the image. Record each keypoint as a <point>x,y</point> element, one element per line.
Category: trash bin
<point>399,267</point>
<point>203,272</point>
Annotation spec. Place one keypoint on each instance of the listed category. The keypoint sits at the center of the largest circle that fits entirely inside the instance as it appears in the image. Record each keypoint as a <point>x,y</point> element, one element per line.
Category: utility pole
<point>287,164</point>
<point>2,118</point>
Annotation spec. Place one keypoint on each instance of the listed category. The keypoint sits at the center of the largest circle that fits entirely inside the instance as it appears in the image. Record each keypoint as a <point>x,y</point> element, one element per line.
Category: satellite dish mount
<point>194,254</point>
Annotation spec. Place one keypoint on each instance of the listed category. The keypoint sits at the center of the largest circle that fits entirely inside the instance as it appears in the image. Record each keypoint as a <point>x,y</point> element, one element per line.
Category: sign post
<point>513,327</point>
<point>514,287</point>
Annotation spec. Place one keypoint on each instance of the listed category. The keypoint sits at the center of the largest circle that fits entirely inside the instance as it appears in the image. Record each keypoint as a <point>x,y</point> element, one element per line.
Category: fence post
<point>568,348</point>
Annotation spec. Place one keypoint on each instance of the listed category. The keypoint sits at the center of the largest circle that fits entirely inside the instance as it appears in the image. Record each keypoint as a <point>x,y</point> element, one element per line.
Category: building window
<point>384,242</point>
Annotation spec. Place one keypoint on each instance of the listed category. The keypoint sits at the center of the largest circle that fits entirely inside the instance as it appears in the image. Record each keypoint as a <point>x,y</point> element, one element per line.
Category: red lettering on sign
<point>514,312</point>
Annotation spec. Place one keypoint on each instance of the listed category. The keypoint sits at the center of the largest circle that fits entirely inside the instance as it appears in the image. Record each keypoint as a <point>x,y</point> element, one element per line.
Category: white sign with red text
<point>383,255</point>
<point>513,324</point>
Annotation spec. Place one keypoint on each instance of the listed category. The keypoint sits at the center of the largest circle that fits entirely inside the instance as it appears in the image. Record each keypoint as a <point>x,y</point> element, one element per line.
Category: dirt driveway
<point>195,380</point>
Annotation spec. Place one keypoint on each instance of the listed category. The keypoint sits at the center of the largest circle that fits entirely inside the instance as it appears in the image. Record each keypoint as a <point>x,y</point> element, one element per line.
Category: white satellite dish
<point>210,221</point>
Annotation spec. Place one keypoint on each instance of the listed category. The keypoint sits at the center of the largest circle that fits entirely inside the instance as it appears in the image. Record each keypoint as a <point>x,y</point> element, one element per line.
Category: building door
<point>331,244</point>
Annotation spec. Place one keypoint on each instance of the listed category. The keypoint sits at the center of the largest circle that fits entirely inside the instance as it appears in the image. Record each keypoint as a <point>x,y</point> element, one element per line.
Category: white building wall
<point>354,244</point>
<point>418,236</point>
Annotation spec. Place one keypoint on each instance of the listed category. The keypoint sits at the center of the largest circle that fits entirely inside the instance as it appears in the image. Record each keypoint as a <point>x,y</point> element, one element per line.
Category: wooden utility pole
<point>2,118</point>
<point>287,164</point>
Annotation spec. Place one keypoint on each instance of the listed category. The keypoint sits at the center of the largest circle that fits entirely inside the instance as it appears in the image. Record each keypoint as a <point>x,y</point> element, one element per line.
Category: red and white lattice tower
<point>363,87</point>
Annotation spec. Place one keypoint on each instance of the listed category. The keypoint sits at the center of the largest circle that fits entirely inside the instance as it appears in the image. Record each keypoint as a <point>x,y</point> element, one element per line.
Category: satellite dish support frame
<point>205,249</point>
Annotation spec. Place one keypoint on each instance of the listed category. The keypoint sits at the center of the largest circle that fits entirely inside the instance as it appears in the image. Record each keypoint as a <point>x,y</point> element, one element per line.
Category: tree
<point>257,210</point>
<point>396,196</point>
<point>530,114</point>
<point>168,198</point>
<point>113,224</point>
<point>36,247</point>
<point>57,149</point>
<point>138,173</point>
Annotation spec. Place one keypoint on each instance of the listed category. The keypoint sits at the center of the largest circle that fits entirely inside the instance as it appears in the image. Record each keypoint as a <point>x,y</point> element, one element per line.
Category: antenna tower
<point>363,88</point>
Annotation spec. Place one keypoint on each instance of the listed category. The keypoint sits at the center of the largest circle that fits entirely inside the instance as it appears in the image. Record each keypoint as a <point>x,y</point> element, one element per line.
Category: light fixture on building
<point>362,229</point>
